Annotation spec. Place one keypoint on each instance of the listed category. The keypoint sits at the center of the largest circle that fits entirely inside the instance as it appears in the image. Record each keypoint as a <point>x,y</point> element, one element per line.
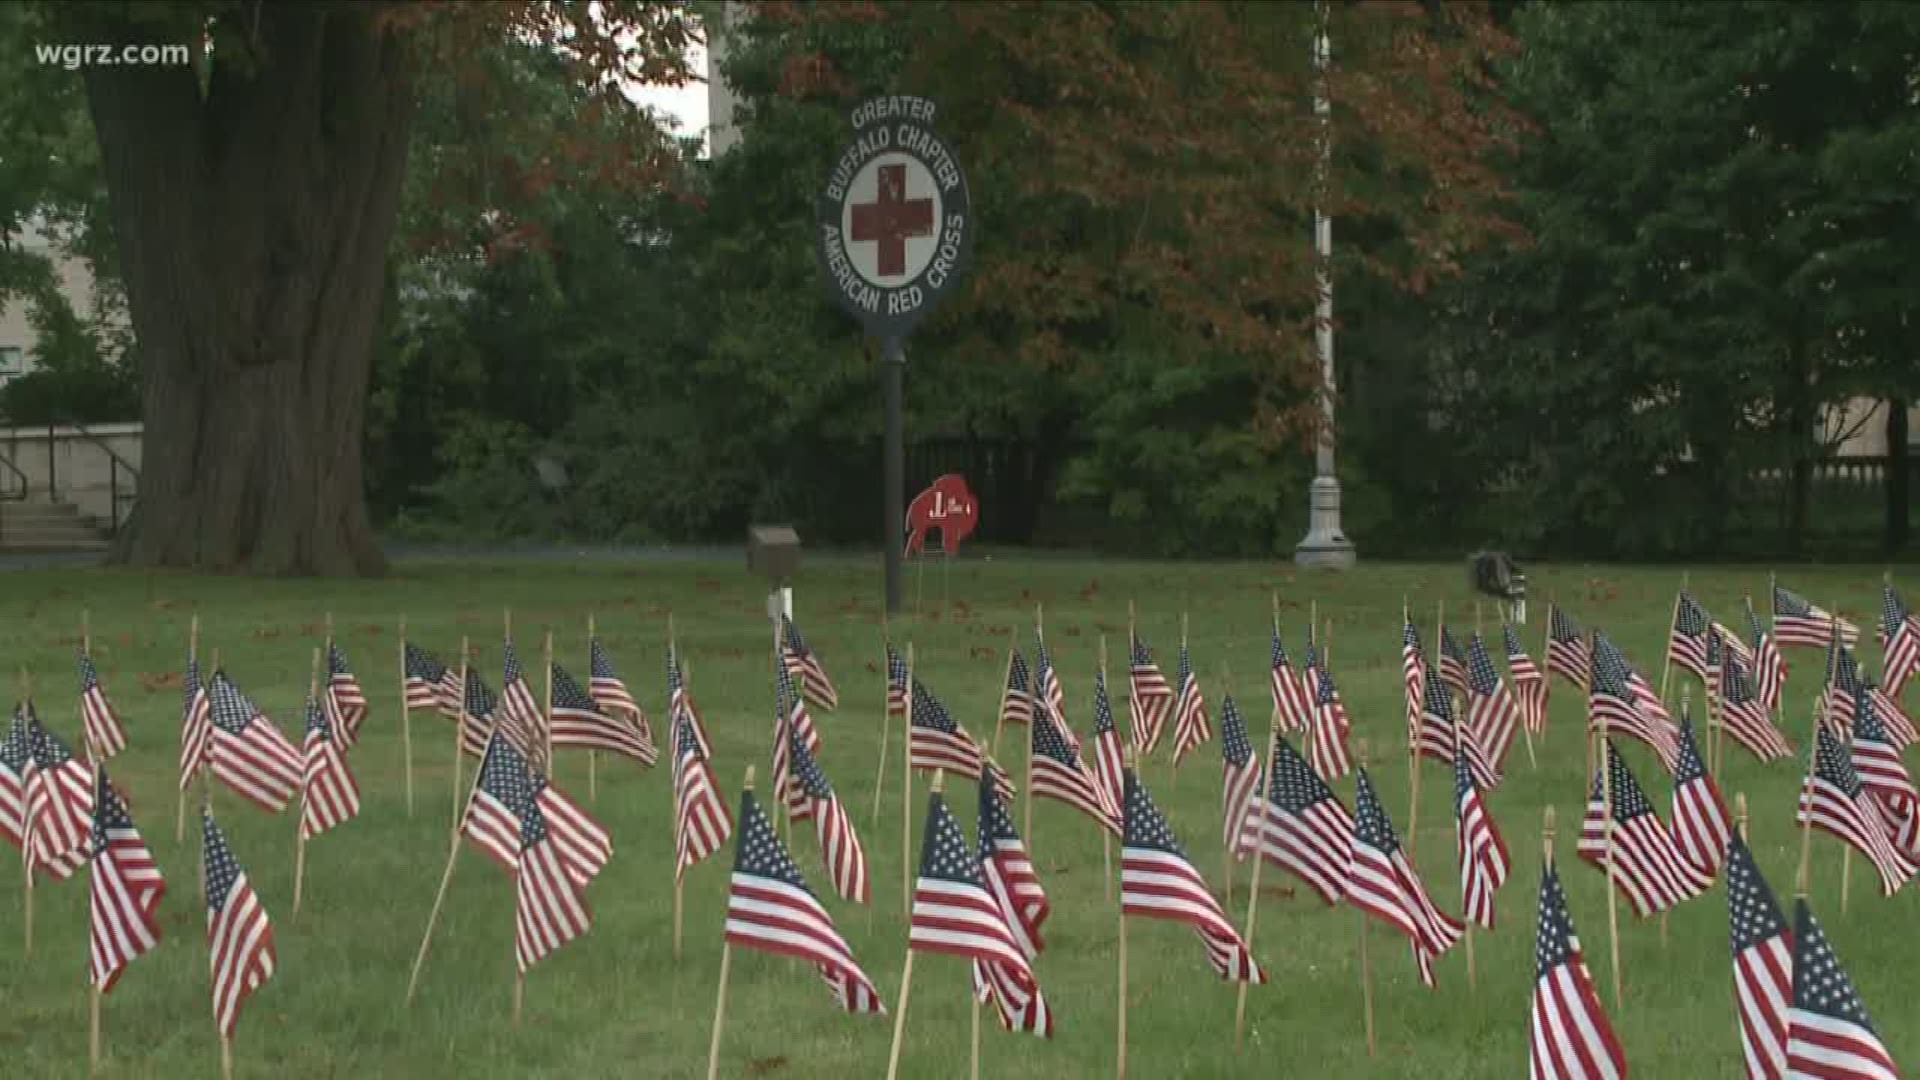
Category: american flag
<point>579,721</point>
<point>1016,702</point>
<point>1569,1037</point>
<point>1843,686</point>
<point>1058,773</point>
<point>328,795</point>
<point>1687,641</point>
<point>1328,749</point>
<point>1529,682</point>
<point>607,688</point>
<point>896,682</point>
<point>1838,804</point>
<point>15,751</point>
<point>501,795</point>
<point>1386,885</point>
<point>839,844</point>
<point>1798,622</point>
<point>105,734</point>
<point>680,703</point>
<point>429,683</point>
<point>1453,662</point>
<point>550,902</point>
<point>1900,730</point>
<point>1009,872</point>
<point>1742,714</point>
<point>1829,1034</point>
<point>1769,666</point>
<point>701,820</point>
<point>955,913</point>
<point>518,715</point>
<point>770,908</point>
<point>476,727</point>
<point>804,664</point>
<point>937,740</point>
<point>1157,880</point>
<point>195,724</point>
<point>348,701</point>
<point>1484,862</point>
<point>248,753</point>
<point>1615,705</point>
<point>1149,698</point>
<point>1762,965</point>
<point>1491,711</point>
<point>1239,780</point>
<point>1884,775</point>
<point>1900,641</point>
<point>1701,824</point>
<point>1109,761</point>
<point>1648,868</point>
<point>1190,724</point>
<point>124,897</point>
<point>239,935</point>
<point>58,795</point>
<point>1292,698</point>
<point>1440,718</point>
<point>1302,827</point>
<point>1048,691</point>
<point>1426,732</point>
<point>1568,652</point>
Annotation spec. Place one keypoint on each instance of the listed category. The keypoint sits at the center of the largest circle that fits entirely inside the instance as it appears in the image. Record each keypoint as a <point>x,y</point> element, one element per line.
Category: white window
<point>13,360</point>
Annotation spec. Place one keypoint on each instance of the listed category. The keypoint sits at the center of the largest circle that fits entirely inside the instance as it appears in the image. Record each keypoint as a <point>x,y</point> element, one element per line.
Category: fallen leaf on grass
<point>371,630</point>
<point>763,1066</point>
<point>162,605</point>
<point>156,681</point>
<point>1092,590</point>
<point>1000,631</point>
<point>1106,628</point>
<point>1072,631</point>
<point>979,653</point>
<point>265,633</point>
<point>67,642</point>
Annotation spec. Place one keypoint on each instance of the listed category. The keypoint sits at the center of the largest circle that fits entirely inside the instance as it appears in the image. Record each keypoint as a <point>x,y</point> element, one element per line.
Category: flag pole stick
<point>1366,966</point>
<point>406,718</point>
<point>1605,756</point>
<point>226,1057</point>
<point>973,1070</point>
<point>886,716</point>
<point>1413,749</point>
<point>180,805</point>
<point>433,917</point>
<point>93,1030</point>
<point>593,756</point>
<point>1173,767</point>
<point>1106,838</point>
<point>906,813</point>
<point>519,994</point>
<point>26,841</point>
<point>1846,875</point>
<point>1006,682</point>
<point>459,728</point>
<point>1274,595</point>
<point>726,970</point>
<point>546,710</point>
<point>300,818</point>
<point>906,973</point>
<point>1042,709</point>
<point>1259,857</point>
<point>1801,882</point>
<point>1666,665</point>
<point>1120,1060</point>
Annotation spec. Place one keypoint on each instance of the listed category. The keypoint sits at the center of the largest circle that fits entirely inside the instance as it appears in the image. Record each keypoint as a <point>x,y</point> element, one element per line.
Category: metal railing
<point>116,465</point>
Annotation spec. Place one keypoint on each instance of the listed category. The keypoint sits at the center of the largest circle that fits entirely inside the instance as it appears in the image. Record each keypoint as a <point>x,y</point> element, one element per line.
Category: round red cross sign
<point>894,229</point>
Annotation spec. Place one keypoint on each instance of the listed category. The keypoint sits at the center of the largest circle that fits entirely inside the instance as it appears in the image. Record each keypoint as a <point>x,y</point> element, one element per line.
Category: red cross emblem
<point>892,220</point>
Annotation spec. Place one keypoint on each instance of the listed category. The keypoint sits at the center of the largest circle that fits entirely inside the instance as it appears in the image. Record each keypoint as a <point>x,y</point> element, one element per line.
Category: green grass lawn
<point>616,1003</point>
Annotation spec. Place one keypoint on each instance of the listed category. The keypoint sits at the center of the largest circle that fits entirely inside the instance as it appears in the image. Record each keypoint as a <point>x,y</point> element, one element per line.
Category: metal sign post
<point>894,233</point>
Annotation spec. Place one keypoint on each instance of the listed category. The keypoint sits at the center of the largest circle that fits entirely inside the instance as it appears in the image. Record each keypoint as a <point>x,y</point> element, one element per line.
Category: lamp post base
<point>1325,547</point>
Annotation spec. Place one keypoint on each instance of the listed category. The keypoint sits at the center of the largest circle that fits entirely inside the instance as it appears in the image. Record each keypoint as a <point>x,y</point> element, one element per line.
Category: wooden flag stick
<point>1040,710</point>
<point>1366,966</point>
<point>1120,1057</point>
<point>26,843</point>
<point>459,727</point>
<point>906,818</point>
<point>406,718</point>
<point>1006,683</point>
<point>226,1057</point>
<point>1666,665</point>
<point>546,709</point>
<point>886,717</point>
<point>1173,767</point>
<point>519,994</point>
<point>433,917</point>
<point>593,756</point>
<point>1413,748</point>
<point>300,818</point>
<point>726,969</point>
<point>1275,596</point>
<point>1801,881</point>
<point>1106,838</point>
<point>1259,858</point>
<point>1740,814</point>
<point>906,973</point>
<point>93,1030</point>
<point>180,805</point>
<point>1605,756</point>
<point>973,1058</point>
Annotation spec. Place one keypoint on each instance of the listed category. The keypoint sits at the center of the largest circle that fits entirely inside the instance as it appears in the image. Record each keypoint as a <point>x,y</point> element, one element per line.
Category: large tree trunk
<point>1899,498</point>
<point>253,217</point>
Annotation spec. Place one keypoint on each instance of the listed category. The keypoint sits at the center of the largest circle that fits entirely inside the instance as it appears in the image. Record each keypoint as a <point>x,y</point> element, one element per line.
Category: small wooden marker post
<point>1120,1057</point>
<point>593,756</point>
<point>1414,727</point>
<point>300,816</point>
<point>406,718</point>
<point>1605,756</point>
<point>180,804</point>
<point>1041,709</point>
<point>1666,665</point>
<point>26,845</point>
<point>906,972</point>
<point>1106,838</point>
<point>93,988</point>
<point>459,729</point>
<point>726,970</point>
<point>906,801</point>
<point>1006,689</point>
<point>1173,761</point>
<point>1366,966</point>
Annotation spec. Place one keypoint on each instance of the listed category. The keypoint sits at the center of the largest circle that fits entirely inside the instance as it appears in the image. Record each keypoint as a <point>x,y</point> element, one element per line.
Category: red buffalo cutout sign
<point>949,506</point>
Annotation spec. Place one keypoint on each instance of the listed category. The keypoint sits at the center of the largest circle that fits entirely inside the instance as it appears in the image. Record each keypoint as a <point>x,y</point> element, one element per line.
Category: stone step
<point>14,544</point>
<point>41,526</point>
